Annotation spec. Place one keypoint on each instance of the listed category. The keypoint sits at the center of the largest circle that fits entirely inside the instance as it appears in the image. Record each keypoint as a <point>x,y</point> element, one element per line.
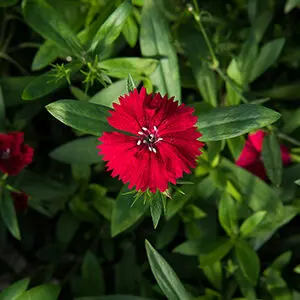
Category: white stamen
<point>150,149</point>
<point>145,129</point>
<point>141,133</point>
<point>154,150</point>
<point>139,142</point>
<point>159,139</point>
<point>155,128</point>
<point>151,135</point>
<point>144,141</point>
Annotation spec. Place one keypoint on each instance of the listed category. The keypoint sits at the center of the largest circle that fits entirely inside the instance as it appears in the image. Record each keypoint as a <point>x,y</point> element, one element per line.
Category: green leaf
<point>156,208</point>
<point>79,94</point>
<point>2,111</point>
<point>214,273</point>
<point>45,84</point>
<point>49,23</point>
<point>92,275</point>
<point>179,199</point>
<point>228,214</point>
<point>245,286</point>
<point>248,261</point>
<point>45,292</point>
<point>268,55</point>
<point>292,122</point>
<point>46,54</point>
<point>228,122</point>
<point>290,5</point>
<point>282,260</point>
<point>111,94</point>
<point>214,251</point>
<point>83,209</point>
<point>66,227</point>
<point>297,181</point>
<point>103,204</point>
<point>271,156</point>
<point>155,41</point>
<point>111,29</point>
<point>138,67</point>
<point>127,211</point>
<point>256,193</point>
<point>12,88</point>
<point>165,276</point>
<point>130,84</point>
<point>131,31</point>
<point>5,3</point>
<point>8,214</point>
<point>79,151</point>
<point>251,224</point>
<point>209,250</point>
<point>86,117</point>
<point>276,285</point>
<point>236,146</point>
<point>15,290</point>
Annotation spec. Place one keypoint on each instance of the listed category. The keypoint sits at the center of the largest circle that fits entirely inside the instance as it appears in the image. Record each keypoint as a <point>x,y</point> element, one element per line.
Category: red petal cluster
<point>250,157</point>
<point>14,154</point>
<point>20,201</point>
<point>161,144</point>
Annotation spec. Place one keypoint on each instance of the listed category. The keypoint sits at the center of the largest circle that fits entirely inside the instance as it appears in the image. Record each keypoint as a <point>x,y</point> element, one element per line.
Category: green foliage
<point>221,231</point>
<point>165,276</point>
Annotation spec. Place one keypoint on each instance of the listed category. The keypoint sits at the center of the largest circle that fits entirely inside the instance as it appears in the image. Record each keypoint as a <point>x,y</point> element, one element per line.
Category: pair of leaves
<point>218,124</point>
<point>17,291</point>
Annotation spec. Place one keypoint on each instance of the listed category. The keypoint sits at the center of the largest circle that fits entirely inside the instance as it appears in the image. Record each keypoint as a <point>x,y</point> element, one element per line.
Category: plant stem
<point>288,138</point>
<point>197,17</point>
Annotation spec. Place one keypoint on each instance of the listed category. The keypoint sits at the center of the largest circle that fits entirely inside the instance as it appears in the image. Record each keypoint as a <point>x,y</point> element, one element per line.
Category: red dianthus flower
<point>250,157</point>
<point>161,145</point>
<point>20,201</point>
<point>14,154</point>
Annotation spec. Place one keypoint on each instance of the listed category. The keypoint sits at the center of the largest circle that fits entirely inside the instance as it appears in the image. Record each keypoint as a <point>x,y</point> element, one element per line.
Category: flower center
<point>5,154</point>
<point>149,138</point>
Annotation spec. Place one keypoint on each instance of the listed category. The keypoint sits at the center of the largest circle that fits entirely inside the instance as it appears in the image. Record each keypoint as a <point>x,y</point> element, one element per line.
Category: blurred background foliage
<point>229,235</point>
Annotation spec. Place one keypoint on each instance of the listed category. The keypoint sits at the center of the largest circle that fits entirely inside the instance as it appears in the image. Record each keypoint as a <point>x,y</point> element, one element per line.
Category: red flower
<point>20,201</point>
<point>250,158</point>
<point>161,145</point>
<point>14,154</point>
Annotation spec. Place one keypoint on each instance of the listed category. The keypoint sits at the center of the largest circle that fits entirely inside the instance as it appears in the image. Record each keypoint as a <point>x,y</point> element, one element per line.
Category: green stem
<point>232,84</point>
<point>3,178</point>
<point>12,189</point>
<point>197,17</point>
<point>288,138</point>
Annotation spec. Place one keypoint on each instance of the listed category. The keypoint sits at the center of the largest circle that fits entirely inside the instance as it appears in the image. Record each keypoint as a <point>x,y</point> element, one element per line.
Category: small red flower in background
<point>14,154</point>
<point>250,158</point>
<point>163,142</point>
<point>20,201</point>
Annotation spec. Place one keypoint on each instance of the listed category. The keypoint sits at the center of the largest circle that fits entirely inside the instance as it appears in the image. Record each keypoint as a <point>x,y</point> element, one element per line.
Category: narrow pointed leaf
<point>45,292</point>
<point>45,20</point>
<point>271,155</point>
<point>8,214</point>
<point>165,275</point>
<point>15,290</point>
<point>111,29</point>
<point>155,41</point>
<point>127,211</point>
<point>83,116</point>
<point>228,122</point>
